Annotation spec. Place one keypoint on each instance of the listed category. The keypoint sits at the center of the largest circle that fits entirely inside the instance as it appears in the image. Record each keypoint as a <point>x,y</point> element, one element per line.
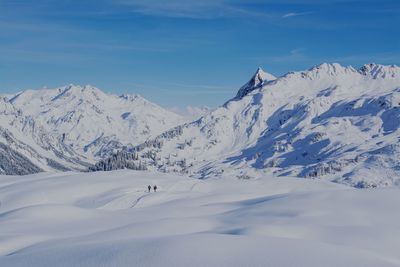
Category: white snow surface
<point>109,219</point>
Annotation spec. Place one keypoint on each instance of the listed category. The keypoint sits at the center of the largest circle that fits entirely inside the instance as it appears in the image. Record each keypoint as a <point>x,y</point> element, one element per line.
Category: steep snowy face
<point>330,121</point>
<point>92,122</point>
<point>257,81</point>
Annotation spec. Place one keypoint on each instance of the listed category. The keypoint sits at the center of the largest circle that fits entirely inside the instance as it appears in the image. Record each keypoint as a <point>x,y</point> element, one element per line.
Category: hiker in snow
<point>155,188</point>
<point>149,187</point>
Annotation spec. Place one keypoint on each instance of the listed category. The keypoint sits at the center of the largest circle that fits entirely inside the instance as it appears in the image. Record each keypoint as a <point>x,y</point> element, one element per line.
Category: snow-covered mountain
<point>71,127</point>
<point>333,122</point>
<point>27,147</point>
<point>94,123</point>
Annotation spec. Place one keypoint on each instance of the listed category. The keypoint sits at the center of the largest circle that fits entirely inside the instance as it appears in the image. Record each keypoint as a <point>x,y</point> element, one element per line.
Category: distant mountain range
<point>69,128</point>
<point>330,122</point>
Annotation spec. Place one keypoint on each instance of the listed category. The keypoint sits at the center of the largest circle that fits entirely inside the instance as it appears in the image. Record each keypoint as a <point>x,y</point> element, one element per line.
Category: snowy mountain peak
<point>380,71</point>
<point>257,81</point>
<point>330,69</point>
<point>371,70</point>
<point>74,91</point>
<point>329,66</point>
<point>264,75</point>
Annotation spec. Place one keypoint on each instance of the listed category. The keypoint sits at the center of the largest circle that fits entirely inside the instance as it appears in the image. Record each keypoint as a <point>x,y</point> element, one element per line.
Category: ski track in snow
<point>108,219</point>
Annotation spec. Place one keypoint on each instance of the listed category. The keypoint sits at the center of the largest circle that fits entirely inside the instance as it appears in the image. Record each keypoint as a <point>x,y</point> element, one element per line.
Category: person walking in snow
<point>155,188</point>
<point>149,187</point>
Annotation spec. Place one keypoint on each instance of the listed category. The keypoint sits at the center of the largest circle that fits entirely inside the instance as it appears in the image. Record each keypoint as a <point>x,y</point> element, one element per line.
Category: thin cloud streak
<point>295,14</point>
<point>205,9</point>
<point>176,8</point>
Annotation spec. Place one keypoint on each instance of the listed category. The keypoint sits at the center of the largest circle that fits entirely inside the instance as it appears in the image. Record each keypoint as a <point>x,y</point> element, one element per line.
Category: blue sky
<point>184,52</point>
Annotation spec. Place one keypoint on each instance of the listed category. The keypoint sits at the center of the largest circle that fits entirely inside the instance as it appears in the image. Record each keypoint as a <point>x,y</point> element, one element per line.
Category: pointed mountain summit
<point>257,81</point>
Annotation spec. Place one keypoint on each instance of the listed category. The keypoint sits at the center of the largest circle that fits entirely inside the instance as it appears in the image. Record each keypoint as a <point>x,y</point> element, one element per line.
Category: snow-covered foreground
<point>108,219</point>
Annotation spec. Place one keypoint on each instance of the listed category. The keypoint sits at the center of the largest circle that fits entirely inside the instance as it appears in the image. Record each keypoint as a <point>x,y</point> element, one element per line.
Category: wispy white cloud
<point>295,14</point>
<point>175,8</point>
<point>204,9</point>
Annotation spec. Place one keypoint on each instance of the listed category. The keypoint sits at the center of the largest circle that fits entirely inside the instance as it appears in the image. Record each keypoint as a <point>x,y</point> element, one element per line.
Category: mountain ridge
<point>70,127</point>
<point>94,121</point>
<point>319,123</point>
<point>329,122</point>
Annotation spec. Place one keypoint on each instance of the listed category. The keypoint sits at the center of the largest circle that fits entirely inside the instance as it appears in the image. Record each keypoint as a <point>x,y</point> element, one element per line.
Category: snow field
<point>109,219</point>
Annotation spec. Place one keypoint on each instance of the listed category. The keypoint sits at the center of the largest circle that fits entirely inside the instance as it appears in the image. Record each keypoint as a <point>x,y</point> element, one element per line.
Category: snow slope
<point>92,122</point>
<point>108,219</point>
<point>331,122</point>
